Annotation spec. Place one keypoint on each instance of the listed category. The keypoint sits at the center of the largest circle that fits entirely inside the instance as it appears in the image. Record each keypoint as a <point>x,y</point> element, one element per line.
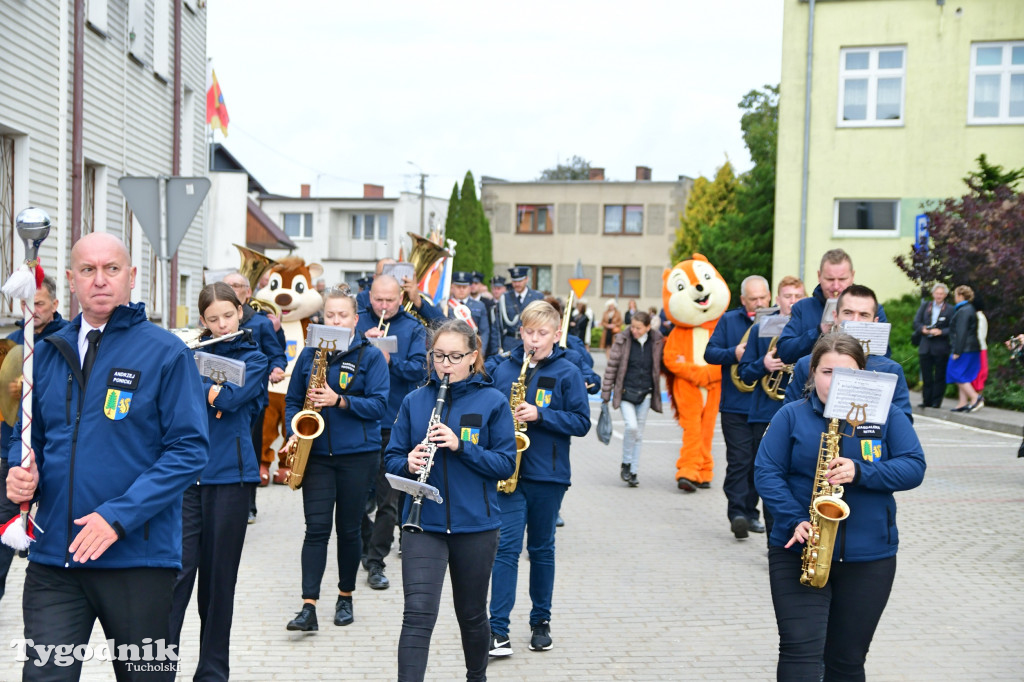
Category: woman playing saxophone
<point>832,626</point>
<point>475,448</point>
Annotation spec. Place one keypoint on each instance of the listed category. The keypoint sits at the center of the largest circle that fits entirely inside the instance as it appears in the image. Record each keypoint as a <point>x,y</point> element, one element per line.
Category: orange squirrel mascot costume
<point>291,287</point>
<point>694,297</point>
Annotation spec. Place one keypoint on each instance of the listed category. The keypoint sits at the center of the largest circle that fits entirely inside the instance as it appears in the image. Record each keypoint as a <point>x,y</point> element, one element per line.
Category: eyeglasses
<point>453,358</point>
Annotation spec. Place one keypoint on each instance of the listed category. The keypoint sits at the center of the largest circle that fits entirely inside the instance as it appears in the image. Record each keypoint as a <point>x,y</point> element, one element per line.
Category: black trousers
<point>8,510</point>
<point>334,495</point>
<point>469,558</point>
<point>759,429</point>
<point>933,375</point>
<point>60,606</point>
<point>257,446</point>
<point>379,534</point>
<point>830,627</point>
<point>739,465</point>
<point>213,523</point>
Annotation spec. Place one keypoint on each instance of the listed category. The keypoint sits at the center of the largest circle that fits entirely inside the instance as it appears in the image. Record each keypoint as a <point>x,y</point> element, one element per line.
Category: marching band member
<point>725,348</point>
<point>342,460</point>
<point>475,448</point>
<point>832,626</point>
<point>512,304</point>
<point>407,369</point>
<point>215,509</point>
<point>835,273</point>
<point>555,409</point>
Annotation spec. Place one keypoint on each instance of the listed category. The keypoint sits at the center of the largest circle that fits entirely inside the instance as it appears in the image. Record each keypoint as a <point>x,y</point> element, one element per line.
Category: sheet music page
<point>860,394</point>
<point>399,270</point>
<point>388,344</point>
<point>414,487</point>
<point>828,315</point>
<point>220,369</point>
<point>772,326</point>
<point>873,336</point>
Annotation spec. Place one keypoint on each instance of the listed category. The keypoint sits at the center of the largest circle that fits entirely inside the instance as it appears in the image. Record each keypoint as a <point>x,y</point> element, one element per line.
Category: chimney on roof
<point>643,173</point>
<point>373,191</point>
<point>304,191</point>
<point>596,174</point>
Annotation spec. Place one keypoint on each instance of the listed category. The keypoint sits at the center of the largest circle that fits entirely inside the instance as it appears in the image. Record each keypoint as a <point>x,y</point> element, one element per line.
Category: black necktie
<point>90,354</point>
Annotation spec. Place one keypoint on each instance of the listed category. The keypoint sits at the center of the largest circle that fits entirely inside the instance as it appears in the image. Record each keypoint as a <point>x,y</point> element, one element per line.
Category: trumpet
<point>383,327</point>
<point>412,521</point>
<point>772,383</point>
<point>734,371</point>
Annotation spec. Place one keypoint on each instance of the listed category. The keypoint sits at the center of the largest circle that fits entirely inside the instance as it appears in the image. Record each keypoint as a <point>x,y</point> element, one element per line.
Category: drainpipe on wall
<point>172,301</point>
<point>807,140</point>
<point>77,113</point>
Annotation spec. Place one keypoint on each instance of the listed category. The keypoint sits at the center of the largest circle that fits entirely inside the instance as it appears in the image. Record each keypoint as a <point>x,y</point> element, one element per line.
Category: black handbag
<point>915,338</point>
<point>604,425</point>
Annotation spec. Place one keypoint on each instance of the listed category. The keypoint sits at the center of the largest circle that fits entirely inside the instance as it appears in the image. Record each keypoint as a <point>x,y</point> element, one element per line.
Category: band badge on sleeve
<point>470,435</point>
<point>871,450</point>
<point>469,428</point>
<point>292,349</point>
<point>344,379</point>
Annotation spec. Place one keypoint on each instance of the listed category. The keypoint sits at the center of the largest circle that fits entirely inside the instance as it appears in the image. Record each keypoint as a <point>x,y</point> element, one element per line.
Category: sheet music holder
<point>828,315</point>
<point>221,370</point>
<point>399,270</point>
<point>761,313</point>
<point>388,344</point>
<point>414,487</point>
<point>328,338</point>
<point>860,395</point>
<point>772,326</point>
<point>873,336</point>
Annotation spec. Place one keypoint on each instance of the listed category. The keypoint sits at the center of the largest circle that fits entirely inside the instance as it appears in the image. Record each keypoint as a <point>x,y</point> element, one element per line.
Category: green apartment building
<point>904,95</point>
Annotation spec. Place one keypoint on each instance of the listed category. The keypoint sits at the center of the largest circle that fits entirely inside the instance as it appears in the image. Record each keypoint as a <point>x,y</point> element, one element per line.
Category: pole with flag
<point>216,109</point>
<point>33,227</point>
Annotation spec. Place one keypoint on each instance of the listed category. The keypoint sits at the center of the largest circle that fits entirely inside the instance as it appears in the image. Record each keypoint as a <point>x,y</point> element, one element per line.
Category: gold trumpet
<point>383,326</point>
<point>771,383</point>
<point>734,371</point>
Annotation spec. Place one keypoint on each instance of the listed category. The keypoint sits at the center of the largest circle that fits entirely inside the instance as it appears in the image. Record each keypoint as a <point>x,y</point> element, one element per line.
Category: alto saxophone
<point>827,510</point>
<point>515,399</point>
<point>307,424</point>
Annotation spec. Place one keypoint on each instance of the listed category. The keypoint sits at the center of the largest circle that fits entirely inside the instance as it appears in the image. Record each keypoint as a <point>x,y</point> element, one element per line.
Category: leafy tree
<point>468,227</point>
<point>740,244</point>
<point>708,203</point>
<point>976,240</point>
<point>576,168</point>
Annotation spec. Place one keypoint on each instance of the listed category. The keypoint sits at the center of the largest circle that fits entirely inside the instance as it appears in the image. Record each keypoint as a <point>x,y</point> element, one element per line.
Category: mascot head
<point>291,288</point>
<point>694,293</point>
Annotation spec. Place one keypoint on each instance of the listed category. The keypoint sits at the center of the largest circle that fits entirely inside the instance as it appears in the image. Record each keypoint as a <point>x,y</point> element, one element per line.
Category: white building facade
<point>127,105</point>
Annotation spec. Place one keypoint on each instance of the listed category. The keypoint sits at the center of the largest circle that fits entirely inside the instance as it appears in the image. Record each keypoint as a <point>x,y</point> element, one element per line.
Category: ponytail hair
<point>466,332</point>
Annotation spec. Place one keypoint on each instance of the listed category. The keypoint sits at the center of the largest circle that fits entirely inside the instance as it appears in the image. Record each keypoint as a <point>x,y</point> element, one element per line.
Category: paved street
<point>651,585</point>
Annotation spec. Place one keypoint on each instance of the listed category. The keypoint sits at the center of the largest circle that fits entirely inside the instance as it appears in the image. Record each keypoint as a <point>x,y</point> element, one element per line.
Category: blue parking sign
<point>921,232</point>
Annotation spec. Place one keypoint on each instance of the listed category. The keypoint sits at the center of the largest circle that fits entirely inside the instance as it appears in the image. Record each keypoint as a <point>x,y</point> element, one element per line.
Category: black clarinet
<point>412,522</point>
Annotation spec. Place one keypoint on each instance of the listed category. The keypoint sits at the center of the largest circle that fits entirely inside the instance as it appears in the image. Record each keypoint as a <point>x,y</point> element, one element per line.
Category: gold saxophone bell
<point>516,397</point>
<point>734,371</point>
<point>827,510</point>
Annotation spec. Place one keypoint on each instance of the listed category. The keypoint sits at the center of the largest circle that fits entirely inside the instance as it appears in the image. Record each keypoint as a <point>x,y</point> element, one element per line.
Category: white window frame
<point>306,234</point>
<point>96,14</point>
<point>865,234</point>
<point>1005,69</point>
<point>872,74</point>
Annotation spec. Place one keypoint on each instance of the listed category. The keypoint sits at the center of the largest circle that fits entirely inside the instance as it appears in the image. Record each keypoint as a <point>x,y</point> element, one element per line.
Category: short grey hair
<point>754,278</point>
<point>940,285</point>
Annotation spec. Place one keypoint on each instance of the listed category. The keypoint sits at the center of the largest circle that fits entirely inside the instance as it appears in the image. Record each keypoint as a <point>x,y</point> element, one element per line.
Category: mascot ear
<point>315,270</point>
<point>664,275</point>
<point>698,256</point>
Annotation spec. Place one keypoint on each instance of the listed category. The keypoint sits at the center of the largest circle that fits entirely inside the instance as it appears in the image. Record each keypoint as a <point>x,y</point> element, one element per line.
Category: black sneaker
<point>500,646</point>
<point>624,473</point>
<point>541,639</point>
<point>633,481</point>
<point>559,522</point>
<point>740,526</point>
<point>305,621</point>
<point>343,611</point>
<point>377,580</point>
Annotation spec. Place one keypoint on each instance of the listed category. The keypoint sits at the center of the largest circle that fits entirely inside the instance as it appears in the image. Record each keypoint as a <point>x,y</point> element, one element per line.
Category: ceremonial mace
<point>33,226</point>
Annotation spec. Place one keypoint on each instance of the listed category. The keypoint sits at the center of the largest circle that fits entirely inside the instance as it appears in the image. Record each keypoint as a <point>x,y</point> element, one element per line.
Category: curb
<point>968,419</point>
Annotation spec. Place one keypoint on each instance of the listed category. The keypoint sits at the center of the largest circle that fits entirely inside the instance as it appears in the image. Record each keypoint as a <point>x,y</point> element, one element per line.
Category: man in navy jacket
<point>835,273</point>
<point>725,348</point>
<point>407,369</point>
<point>117,436</point>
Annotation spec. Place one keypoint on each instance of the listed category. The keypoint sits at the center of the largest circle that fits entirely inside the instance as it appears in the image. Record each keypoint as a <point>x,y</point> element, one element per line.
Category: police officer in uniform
<point>461,282</point>
<point>512,304</point>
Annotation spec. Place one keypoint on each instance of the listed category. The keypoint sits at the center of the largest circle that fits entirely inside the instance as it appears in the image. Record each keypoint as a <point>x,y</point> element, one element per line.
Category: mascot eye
<point>274,284</point>
<point>707,275</point>
<point>299,287</point>
<point>680,286</point>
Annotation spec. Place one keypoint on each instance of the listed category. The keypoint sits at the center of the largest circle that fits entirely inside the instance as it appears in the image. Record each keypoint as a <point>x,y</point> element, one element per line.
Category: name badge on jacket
<point>121,386</point>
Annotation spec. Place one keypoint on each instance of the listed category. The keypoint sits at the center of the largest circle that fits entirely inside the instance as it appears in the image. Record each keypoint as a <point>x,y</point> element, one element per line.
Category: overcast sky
<point>336,94</point>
